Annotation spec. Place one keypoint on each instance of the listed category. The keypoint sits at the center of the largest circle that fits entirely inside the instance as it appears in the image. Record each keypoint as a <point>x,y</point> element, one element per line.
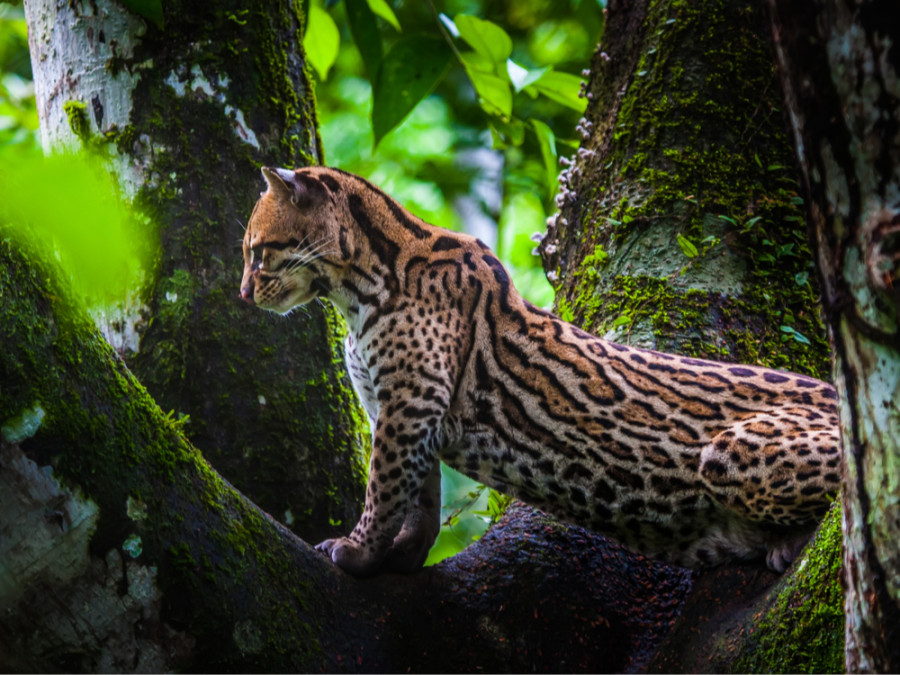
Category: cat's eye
<point>256,257</point>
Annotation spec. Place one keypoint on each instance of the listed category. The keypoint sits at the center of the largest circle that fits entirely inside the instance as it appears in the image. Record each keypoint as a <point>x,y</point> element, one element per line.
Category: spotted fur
<point>692,461</point>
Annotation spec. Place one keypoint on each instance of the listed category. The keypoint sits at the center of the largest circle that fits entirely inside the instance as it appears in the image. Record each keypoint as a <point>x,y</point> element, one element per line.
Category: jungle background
<point>679,222</point>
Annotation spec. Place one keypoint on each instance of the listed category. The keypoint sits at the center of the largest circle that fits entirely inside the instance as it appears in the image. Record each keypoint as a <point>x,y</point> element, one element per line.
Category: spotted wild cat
<point>692,461</point>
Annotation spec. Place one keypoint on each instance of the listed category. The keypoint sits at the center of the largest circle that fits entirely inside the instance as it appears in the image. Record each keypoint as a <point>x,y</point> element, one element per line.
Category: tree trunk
<point>186,107</point>
<point>840,64</point>
<point>123,550</point>
<point>681,230</point>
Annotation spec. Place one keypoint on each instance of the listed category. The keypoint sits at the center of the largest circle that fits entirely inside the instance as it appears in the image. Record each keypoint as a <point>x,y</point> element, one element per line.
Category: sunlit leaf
<point>485,37</point>
<point>547,144</point>
<point>522,77</point>
<point>149,9</point>
<point>382,9</point>
<point>322,40</point>
<point>687,246</point>
<point>494,93</point>
<point>408,73</point>
<point>364,30</point>
<point>70,205</point>
<point>562,88</point>
<point>478,62</point>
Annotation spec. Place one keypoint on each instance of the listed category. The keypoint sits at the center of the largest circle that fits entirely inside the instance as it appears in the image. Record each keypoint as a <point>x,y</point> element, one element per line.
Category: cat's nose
<point>247,294</point>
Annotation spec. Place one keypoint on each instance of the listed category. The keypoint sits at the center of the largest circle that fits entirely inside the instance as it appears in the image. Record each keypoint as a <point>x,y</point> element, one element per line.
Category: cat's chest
<point>360,378</point>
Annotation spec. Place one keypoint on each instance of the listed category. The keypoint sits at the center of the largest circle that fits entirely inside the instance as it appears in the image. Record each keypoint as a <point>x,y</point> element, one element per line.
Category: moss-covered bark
<point>684,137</point>
<point>681,229</point>
<point>219,90</point>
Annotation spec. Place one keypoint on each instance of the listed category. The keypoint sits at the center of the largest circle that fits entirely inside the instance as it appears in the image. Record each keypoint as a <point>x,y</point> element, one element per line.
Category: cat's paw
<point>349,556</point>
<point>780,556</point>
<point>409,550</point>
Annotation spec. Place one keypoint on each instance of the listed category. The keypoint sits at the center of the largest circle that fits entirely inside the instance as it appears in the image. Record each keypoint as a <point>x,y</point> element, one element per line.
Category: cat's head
<point>291,252</point>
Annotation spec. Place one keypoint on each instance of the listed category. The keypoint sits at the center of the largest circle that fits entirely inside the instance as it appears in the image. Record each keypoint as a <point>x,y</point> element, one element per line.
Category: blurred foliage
<point>499,94</point>
<point>70,205</point>
<point>18,113</point>
<point>471,100</point>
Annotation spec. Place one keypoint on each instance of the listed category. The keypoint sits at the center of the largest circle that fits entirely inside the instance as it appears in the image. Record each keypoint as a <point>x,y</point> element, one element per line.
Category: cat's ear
<point>287,184</point>
<point>280,181</point>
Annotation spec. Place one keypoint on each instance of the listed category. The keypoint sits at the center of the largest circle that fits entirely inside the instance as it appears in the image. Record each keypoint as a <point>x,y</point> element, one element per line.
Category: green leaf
<point>81,216</point>
<point>321,41</point>
<point>408,73</point>
<point>505,134</point>
<point>477,62</point>
<point>687,247</point>
<point>485,37</point>
<point>364,30</point>
<point>621,321</point>
<point>149,9</point>
<point>382,9</point>
<point>562,88</point>
<point>795,334</point>
<point>493,92</point>
<point>522,77</point>
<point>547,143</point>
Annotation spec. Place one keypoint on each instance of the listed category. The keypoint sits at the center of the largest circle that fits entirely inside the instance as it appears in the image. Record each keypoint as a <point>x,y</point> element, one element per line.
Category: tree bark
<point>186,107</point>
<point>840,65</point>
<point>684,139</point>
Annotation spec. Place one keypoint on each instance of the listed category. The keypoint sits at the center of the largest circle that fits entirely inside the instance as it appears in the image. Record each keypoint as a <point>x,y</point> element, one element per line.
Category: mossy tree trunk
<point>841,66</point>
<point>681,229</point>
<point>187,105</point>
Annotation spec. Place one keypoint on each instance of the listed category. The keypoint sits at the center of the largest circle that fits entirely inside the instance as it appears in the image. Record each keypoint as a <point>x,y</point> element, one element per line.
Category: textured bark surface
<point>841,67</point>
<point>684,138</point>
<point>684,126</point>
<point>123,551</point>
<point>185,116</point>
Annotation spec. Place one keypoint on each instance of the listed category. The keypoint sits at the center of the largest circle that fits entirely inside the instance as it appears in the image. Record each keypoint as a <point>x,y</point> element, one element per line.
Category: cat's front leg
<point>421,527</point>
<point>402,465</point>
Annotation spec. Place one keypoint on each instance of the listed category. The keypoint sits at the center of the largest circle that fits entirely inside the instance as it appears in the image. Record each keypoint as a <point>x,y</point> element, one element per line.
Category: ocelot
<point>691,461</point>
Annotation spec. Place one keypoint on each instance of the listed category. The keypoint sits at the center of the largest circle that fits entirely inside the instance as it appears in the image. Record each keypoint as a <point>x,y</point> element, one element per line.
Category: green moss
<point>705,324</point>
<point>76,113</point>
<point>806,614</point>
